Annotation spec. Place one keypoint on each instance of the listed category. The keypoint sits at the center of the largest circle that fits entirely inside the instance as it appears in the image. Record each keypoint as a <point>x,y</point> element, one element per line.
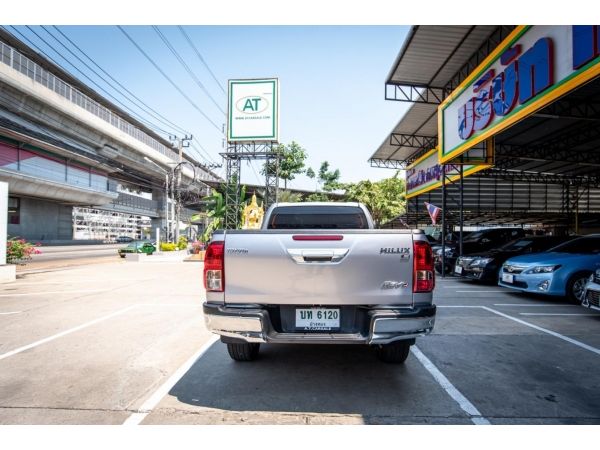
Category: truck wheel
<point>243,351</point>
<point>394,352</point>
<point>576,287</point>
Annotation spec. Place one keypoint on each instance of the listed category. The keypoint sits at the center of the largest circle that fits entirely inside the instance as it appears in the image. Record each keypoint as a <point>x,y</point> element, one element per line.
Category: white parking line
<point>558,314</point>
<point>488,291</point>
<point>544,330</point>
<point>536,305</point>
<point>137,417</point>
<point>78,281</point>
<point>9,313</point>
<point>78,291</point>
<point>456,395</point>
<point>527,324</point>
<point>64,333</point>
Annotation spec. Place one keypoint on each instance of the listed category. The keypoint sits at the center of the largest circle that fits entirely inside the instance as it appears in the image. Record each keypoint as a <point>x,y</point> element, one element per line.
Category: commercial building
<point>503,127</point>
<point>78,166</point>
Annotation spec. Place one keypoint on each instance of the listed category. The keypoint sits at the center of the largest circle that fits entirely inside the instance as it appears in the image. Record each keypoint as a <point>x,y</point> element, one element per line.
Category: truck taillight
<point>214,267</point>
<point>423,275</point>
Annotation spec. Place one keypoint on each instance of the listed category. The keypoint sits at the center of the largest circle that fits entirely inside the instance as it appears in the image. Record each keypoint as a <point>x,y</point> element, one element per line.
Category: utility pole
<point>176,180</point>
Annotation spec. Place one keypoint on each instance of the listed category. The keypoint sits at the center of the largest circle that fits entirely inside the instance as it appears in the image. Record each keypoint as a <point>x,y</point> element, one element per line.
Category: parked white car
<point>591,298</point>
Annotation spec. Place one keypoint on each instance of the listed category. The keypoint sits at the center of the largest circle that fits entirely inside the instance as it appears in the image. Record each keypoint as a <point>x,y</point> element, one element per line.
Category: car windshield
<point>135,244</point>
<point>474,236</point>
<point>516,245</point>
<point>585,245</point>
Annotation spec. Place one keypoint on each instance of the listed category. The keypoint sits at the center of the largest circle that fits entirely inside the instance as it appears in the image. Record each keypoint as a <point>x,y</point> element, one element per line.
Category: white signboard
<point>532,67</point>
<point>253,110</point>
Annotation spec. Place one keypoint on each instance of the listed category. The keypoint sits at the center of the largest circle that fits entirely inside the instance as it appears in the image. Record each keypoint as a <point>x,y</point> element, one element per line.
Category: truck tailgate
<point>362,267</point>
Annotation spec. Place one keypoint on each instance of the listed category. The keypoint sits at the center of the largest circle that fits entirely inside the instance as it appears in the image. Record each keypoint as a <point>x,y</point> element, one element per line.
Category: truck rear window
<point>317,217</point>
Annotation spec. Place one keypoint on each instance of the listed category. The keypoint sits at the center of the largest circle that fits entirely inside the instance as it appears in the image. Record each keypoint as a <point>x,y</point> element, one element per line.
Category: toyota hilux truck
<point>319,273</point>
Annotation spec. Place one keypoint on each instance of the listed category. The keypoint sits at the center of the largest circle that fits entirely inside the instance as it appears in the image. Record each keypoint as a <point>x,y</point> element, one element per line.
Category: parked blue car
<point>561,271</point>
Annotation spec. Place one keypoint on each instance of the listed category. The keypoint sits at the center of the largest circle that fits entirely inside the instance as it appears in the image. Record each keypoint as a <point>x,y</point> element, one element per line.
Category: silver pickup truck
<point>318,273</point>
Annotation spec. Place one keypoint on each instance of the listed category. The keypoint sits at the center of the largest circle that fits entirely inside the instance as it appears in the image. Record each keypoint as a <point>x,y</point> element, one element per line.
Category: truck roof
<point>354,204</point>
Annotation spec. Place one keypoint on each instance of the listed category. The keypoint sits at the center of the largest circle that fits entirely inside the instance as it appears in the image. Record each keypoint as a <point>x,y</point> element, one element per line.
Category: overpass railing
<point>19,62</point>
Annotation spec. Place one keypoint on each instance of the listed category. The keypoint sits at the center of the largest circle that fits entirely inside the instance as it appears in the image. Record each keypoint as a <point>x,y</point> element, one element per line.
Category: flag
<point>433,211</point>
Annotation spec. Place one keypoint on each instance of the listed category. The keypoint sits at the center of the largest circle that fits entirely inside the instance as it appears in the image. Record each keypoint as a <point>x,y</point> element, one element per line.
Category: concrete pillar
<point>7,271</point>
<point>160,222</point>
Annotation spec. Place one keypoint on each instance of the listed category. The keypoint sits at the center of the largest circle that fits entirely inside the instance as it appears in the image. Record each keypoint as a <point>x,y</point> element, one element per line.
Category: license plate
<point>508,278</point>
<point>458,269</point>
<point>313,319</point>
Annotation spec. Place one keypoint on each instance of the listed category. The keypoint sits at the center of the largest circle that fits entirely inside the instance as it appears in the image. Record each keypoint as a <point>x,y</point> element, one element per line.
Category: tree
<point>289,197</point>
<point>216,210</point>
<point>330,180</point>
<point>290,164</point>
<point>318,197</point>
<point>385,198</point>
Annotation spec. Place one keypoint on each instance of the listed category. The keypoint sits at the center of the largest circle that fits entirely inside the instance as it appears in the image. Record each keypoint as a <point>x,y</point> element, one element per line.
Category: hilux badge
<point>404,252</point>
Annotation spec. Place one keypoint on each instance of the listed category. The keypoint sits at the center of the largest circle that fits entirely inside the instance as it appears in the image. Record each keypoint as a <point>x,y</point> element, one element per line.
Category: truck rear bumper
<point>253,324</point>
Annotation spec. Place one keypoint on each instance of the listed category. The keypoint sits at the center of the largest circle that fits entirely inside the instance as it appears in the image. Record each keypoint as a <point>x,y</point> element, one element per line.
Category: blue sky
<point>331,81</point>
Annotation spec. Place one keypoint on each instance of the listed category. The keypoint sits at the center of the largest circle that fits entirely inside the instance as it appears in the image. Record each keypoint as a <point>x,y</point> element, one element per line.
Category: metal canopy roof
<point>433,54</point>
<point>432,58</point>
<point>421,118</point>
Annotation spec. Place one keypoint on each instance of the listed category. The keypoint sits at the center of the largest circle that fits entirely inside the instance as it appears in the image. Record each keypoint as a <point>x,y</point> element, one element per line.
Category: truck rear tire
<point>243,351</point>
<point>394,352</point>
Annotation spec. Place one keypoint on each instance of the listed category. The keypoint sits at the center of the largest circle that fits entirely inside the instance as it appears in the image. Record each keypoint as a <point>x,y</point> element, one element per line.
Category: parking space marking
<point>64,333</point>
<point>544,330</point>
<point>527,324</point>
<point>558,314</point>
<point>38,283</point>
<point>79,291</point>
<point>537,305</point>
<point>468,407</point>
<point>9,313</point>
<point>489,291</point>
<point>137,417</point>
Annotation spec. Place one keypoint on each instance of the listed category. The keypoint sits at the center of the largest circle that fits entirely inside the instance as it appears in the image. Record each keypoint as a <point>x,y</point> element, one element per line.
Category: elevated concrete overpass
<point>64,148</point>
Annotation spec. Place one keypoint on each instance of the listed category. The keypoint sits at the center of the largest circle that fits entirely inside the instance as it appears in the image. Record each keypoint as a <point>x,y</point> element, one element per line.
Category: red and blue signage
<point>534,66</point>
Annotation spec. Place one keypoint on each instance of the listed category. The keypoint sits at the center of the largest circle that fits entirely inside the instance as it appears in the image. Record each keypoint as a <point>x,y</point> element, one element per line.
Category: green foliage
<point>182,243</point>
<point>384,198</point>
<point>310,173</point>
<point>329,179</point>
<point>317,197</point>
<point>290,164</point>
<point>168,246</point>
<point>19,250</point>
<point>289,197</point>
<point>216,209</point>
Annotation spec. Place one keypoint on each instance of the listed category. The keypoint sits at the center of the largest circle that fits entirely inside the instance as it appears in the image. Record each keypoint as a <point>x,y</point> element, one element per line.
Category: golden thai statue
<point>252,215</point>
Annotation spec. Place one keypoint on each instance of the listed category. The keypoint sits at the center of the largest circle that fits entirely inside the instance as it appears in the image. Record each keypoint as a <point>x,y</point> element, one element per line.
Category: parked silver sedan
<point>591,298</point>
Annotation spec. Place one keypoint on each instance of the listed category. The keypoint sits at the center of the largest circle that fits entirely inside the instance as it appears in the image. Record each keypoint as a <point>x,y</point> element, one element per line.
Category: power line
<point>38,48</point>
<point>155,114</point>
<point>183,94</point>
<point>202,148</point>
<point>99,76</point>
<point>146,122</point>
<point>185,66</point>
<point>200,57</point>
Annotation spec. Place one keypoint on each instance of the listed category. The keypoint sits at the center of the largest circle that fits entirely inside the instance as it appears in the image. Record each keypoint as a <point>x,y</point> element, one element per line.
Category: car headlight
<point>544,269</point>
<point>482,261</point>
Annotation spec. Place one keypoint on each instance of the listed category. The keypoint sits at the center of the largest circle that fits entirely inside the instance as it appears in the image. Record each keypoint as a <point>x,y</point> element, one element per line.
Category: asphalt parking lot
<point>125,343</point>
